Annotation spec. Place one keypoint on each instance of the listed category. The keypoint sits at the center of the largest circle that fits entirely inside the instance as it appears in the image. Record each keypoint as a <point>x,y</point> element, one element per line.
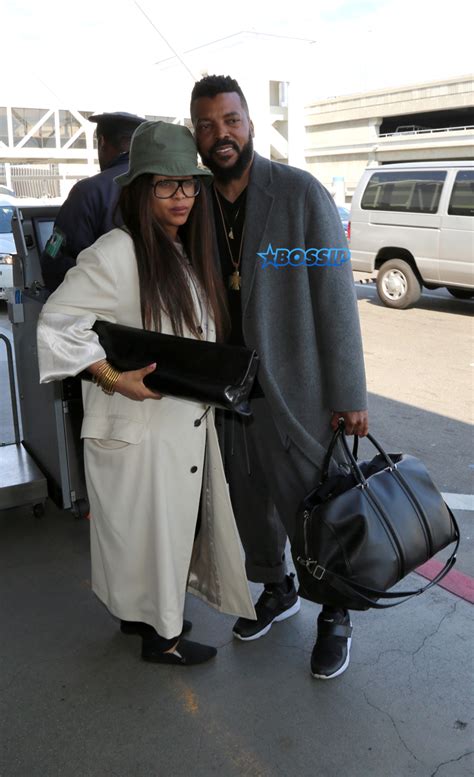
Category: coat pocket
<point>111,445</point>
<point>113,428</point>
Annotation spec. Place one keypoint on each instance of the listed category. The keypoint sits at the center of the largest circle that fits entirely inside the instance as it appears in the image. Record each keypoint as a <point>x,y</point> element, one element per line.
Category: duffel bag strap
<point>367,595</point>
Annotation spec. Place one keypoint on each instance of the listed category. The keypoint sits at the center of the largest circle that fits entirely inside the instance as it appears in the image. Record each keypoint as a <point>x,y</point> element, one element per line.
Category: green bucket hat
<point>161,148</point>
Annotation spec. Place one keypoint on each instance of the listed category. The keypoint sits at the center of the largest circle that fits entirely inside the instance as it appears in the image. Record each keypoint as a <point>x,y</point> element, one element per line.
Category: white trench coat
<point>145,461</point>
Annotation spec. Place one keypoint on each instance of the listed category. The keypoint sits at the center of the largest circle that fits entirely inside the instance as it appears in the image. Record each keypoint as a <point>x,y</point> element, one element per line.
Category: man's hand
<point>356,421</point>
<point>130,384</point>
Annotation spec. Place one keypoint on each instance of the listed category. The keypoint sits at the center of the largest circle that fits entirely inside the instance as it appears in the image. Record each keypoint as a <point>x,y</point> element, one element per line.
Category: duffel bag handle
<point>332,445</point>
<point>340,434</point>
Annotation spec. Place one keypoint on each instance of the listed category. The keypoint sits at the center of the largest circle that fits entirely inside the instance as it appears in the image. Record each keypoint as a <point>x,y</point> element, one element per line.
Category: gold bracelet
<point>106,377</point>
<point>103,368</point>
<point>108,380</point>
<point>96,377</point>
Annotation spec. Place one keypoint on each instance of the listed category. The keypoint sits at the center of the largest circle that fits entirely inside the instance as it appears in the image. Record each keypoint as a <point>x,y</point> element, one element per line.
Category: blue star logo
<point>268,257</point>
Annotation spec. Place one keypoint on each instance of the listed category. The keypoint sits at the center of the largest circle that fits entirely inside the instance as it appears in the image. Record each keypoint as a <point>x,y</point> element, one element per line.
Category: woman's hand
<point>130,384</point>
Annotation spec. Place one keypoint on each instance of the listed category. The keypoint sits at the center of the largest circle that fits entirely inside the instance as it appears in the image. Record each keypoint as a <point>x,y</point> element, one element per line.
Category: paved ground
<point>76,701</point>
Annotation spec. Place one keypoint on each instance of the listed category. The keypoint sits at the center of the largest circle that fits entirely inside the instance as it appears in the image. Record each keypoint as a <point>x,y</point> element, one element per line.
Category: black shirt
<point>230,225</point>
<point>230,219</point>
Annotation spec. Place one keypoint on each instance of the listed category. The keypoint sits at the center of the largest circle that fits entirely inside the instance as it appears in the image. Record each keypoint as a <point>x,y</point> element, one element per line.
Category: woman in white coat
<point>151,462</point>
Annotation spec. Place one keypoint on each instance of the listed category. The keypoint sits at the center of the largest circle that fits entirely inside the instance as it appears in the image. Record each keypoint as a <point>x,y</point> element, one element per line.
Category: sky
<point>105,54</point>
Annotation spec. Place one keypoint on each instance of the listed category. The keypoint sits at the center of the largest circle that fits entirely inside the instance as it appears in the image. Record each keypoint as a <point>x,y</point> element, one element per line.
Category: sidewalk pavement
<point>77,701</point>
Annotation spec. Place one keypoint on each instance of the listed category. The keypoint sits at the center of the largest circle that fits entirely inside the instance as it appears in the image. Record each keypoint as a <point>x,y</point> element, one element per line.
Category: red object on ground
<point>456,582</point>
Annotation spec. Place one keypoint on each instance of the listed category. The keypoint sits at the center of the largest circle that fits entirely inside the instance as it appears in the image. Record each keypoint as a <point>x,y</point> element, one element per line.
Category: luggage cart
<point>21,480</point>
<point>51,414</point>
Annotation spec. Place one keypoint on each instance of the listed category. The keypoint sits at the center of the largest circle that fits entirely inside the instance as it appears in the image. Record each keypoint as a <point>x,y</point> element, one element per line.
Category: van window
<point>462,196</point>
<point>6,213</point>
<point>411,192</point>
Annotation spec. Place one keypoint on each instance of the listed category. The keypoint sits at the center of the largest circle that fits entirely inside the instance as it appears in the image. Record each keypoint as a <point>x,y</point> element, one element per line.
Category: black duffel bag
<point>203,371</point>
<point>358,534</point>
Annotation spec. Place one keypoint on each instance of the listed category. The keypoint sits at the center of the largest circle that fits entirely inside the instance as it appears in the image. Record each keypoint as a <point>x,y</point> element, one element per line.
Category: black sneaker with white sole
<point>277,602</point>
<point>331,653</point>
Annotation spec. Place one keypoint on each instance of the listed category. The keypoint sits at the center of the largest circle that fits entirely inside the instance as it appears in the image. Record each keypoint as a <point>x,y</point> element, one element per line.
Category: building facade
<point>423,122</point>
<point>44,151</point>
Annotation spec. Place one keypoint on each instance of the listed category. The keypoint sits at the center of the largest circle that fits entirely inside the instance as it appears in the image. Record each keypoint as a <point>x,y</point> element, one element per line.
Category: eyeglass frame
<point>179,185</point>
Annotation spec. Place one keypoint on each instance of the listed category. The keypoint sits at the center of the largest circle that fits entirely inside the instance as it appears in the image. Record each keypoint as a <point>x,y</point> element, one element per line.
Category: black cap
<point>113,122</point>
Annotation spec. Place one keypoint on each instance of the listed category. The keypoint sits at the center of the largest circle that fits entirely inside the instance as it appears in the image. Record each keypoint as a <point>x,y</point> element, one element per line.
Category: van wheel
<point>461,293</point>
<point>397,284</point>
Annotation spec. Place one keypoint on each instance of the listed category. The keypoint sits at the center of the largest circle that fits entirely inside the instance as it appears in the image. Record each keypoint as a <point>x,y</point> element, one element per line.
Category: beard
<point>226,174</point>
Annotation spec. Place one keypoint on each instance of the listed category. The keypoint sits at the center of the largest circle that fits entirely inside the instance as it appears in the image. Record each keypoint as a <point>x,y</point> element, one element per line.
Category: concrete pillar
<point>374,127</point>
<point>91,153</point>
<point>258,98</point>
<point>296,126</point>
<point>8,175</point>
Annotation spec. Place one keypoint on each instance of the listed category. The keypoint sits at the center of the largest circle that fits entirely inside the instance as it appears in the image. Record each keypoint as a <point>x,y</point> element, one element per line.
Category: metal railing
<point>30,182</point>
<point>429,131</point>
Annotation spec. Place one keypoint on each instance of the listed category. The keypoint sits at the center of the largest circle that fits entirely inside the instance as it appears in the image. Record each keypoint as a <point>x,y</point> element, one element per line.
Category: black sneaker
<point>330,656</point>
<point>277,602</point>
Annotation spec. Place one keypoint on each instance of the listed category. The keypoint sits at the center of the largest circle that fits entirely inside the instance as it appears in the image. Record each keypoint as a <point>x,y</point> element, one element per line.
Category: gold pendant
<point>231,234</point>
<point>234,281</point>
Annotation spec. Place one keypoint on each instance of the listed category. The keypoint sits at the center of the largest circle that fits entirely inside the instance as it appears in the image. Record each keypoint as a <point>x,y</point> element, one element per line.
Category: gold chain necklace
<point>235,279</point>
<point>230,227</point>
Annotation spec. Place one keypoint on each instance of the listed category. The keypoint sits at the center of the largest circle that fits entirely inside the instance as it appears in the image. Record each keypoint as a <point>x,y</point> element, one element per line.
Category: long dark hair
<point>163,278</point>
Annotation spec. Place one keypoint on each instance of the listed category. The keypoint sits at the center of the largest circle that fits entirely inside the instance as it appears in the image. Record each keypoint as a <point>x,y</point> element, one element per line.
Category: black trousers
<point>268,477</point>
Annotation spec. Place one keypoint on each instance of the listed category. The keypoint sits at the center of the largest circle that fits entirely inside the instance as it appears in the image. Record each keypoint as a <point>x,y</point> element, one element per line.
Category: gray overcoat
<point>302,321</point>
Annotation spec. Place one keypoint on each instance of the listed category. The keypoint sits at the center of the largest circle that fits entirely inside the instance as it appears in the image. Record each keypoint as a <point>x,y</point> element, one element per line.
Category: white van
<point>413,222</point>
<point>38,217</point>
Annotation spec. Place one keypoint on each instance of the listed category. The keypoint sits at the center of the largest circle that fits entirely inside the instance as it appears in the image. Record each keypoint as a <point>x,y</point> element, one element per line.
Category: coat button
<point>194,469</point>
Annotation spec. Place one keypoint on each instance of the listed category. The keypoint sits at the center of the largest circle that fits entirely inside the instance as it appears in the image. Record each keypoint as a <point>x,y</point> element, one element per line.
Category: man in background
<point>88,211</point>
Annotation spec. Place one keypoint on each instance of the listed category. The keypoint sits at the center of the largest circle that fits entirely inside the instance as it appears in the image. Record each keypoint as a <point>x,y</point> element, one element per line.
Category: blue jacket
<point>87,213</point>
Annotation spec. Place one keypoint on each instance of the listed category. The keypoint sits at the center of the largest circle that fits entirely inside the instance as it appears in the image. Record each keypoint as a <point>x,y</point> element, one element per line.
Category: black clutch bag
<point>358,534</point>
<point>212,373</point>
